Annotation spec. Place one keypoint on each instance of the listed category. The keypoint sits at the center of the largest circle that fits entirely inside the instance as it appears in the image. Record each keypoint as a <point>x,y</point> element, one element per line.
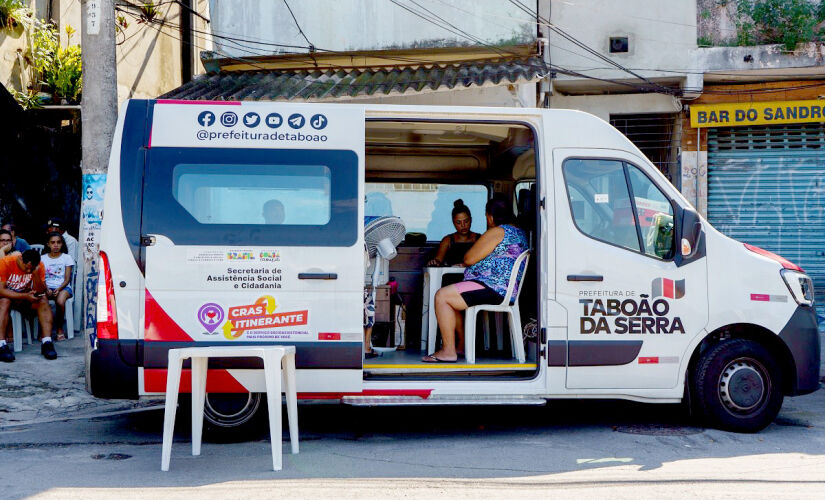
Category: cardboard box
<point>382,303</point>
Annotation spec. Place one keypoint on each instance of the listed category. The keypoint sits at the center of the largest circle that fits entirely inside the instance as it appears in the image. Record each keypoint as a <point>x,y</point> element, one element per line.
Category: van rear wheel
<point>738,386</point>
<point>230,412</point>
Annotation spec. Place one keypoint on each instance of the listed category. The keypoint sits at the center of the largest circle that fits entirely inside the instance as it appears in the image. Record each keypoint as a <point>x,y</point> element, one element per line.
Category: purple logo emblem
<point>211,316</point>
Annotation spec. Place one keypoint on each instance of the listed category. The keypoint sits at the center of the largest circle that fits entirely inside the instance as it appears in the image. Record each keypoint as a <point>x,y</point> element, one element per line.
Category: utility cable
<point>311,46</point>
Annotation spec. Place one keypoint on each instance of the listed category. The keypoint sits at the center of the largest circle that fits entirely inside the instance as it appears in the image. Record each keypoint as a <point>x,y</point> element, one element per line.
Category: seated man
<point>18,244</point>
<point>274,212</point>
<point>23,287</point>
<point>6,243</point>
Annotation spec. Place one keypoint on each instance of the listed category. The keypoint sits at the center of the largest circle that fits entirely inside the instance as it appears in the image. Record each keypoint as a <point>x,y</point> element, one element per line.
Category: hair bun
<point>458,203</point>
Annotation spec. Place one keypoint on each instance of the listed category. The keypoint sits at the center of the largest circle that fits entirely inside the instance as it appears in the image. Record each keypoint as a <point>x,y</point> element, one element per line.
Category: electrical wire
<point>557,68</point>
<point>311,46</point>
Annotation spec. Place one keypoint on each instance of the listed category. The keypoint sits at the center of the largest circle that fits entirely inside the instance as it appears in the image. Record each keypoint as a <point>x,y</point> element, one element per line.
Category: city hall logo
<point>634,315</point>
<point>670,289</point>
<point>210,316</point>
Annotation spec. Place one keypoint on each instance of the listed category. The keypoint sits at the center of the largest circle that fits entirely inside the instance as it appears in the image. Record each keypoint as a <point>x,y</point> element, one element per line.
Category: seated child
<point>59,266</point>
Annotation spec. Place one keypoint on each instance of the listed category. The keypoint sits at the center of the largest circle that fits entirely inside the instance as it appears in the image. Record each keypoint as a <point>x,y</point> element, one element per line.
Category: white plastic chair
<point>68,318</point>
<point>38,247</point>
<point>516,336</point>
<point>18,325</point>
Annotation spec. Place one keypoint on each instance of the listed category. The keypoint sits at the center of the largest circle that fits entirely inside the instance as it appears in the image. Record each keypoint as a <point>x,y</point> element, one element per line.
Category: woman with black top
<point>453,246</point>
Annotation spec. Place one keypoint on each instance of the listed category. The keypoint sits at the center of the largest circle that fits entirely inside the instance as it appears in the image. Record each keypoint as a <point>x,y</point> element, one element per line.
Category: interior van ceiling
<point>435,134</point>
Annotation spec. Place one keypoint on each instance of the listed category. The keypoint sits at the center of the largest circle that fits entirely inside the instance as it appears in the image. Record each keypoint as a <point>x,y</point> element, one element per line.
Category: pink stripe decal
<point>759,297</point>
<point>209,103</point>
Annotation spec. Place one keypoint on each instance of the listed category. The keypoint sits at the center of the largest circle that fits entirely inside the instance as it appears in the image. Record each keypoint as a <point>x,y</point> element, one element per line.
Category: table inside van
<point>432,282</point>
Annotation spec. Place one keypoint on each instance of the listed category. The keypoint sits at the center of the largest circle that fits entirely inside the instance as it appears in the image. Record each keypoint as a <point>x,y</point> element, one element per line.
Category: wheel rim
<point>230,410</point>
<point>744,386</point>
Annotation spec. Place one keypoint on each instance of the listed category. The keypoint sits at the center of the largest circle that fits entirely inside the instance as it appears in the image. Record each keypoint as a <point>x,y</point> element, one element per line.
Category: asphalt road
<point>569,449</point>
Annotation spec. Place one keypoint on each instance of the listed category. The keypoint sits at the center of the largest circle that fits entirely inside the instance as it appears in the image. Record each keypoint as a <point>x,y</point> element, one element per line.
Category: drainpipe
<point>187,40</point>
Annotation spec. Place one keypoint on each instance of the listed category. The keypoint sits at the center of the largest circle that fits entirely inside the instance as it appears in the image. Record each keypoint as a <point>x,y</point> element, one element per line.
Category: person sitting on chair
<point>453,246</point>
<point>489,264</point>
<point>59,265</point>
<point>274,212</point>
<point>22,286</point>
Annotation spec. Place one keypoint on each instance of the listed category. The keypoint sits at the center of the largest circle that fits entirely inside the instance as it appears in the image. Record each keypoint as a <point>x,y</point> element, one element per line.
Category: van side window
<point>600,201</point>
<point>426,208</point>
<point>654,213</point>
<point>615,202</point>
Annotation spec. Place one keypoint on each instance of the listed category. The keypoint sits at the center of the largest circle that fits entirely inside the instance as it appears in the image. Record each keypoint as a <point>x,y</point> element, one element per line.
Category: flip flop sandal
<point>432,359</point>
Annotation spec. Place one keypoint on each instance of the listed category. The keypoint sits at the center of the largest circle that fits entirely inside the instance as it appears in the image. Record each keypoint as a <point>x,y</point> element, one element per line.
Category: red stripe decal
<point>421,393</point>
<point>648,360</point>
<point>329,336</point>
<point>760,297</point>
<point>154,380</point>
<point>209,103</point>
<point>667,288</point>
<point>159,326</point>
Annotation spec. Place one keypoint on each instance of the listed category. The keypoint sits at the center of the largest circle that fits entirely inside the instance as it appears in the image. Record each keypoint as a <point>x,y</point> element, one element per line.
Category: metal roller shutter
<point>766,186</point>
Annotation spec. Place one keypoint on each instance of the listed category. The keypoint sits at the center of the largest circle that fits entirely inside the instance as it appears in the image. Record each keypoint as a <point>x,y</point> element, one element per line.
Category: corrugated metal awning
<point>334,84</point>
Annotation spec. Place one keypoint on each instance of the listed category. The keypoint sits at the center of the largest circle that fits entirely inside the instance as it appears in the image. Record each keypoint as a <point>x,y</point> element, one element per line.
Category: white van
<point>628,293</point>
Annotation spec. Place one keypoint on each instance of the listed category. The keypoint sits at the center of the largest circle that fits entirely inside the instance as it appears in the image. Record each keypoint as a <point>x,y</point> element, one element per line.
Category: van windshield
<point>426,208</point>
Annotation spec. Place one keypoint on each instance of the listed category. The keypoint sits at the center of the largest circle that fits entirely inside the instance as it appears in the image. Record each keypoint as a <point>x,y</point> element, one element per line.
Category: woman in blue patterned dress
<point>489,264</point>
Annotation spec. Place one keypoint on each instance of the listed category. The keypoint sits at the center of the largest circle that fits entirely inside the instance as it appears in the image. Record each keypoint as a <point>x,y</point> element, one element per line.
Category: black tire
<point>228,417</point>
<point>737,386</point>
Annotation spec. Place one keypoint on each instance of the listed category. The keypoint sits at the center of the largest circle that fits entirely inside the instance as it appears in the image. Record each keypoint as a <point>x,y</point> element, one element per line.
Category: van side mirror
<point>690,237</point>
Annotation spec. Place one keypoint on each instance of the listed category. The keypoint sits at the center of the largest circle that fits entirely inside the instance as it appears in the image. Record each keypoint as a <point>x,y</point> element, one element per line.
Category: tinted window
<point>203,196</point>
<point>655,215</point>
<point>427,208</point>
<point>616,202</point>
<point>600,201</point>
<point>254,194</point>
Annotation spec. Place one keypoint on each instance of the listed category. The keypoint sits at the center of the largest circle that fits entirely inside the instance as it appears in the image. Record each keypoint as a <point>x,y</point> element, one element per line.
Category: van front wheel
<point>738,386</point>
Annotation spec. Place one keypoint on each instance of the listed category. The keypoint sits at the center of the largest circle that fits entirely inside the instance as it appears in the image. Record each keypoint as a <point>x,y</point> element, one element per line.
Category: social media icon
<point>296,120</point>
<point>229,119</point>
<point>318,122</point>
<point>206,118</point>
<point>251,120</point>
<point>274,120</point>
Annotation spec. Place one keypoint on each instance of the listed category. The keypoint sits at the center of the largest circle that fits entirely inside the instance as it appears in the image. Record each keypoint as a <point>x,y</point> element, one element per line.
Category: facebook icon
<point>206,118</point>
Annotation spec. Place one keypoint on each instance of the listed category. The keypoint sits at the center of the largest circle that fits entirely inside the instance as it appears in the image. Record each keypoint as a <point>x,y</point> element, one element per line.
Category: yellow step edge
<point>433,366</point>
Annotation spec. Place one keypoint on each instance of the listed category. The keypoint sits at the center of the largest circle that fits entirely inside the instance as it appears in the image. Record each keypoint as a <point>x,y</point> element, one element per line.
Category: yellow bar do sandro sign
<point>740,114</point>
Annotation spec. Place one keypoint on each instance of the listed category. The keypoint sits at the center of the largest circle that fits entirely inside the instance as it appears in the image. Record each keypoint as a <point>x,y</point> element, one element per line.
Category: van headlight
<point>800,285</point>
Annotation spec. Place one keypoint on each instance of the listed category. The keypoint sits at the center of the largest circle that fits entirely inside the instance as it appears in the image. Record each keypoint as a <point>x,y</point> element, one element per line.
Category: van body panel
<point>121,230</point>
<point>221,269</point>
<point>631,315</point>
<point>735,274</point>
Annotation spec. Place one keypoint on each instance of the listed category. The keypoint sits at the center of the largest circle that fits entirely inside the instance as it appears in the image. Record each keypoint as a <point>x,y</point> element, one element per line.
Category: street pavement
<point>580,449</point>
<point>33,389</point>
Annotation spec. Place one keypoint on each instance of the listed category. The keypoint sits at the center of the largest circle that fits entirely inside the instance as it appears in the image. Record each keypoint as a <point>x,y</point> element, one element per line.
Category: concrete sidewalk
<point>33,389</point>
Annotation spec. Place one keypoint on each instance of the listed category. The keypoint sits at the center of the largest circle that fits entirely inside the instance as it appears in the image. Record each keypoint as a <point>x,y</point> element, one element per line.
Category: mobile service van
<point>629,293</point>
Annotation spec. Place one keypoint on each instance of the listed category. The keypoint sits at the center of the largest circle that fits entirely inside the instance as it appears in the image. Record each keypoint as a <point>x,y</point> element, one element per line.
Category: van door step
<point>442,400</point>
